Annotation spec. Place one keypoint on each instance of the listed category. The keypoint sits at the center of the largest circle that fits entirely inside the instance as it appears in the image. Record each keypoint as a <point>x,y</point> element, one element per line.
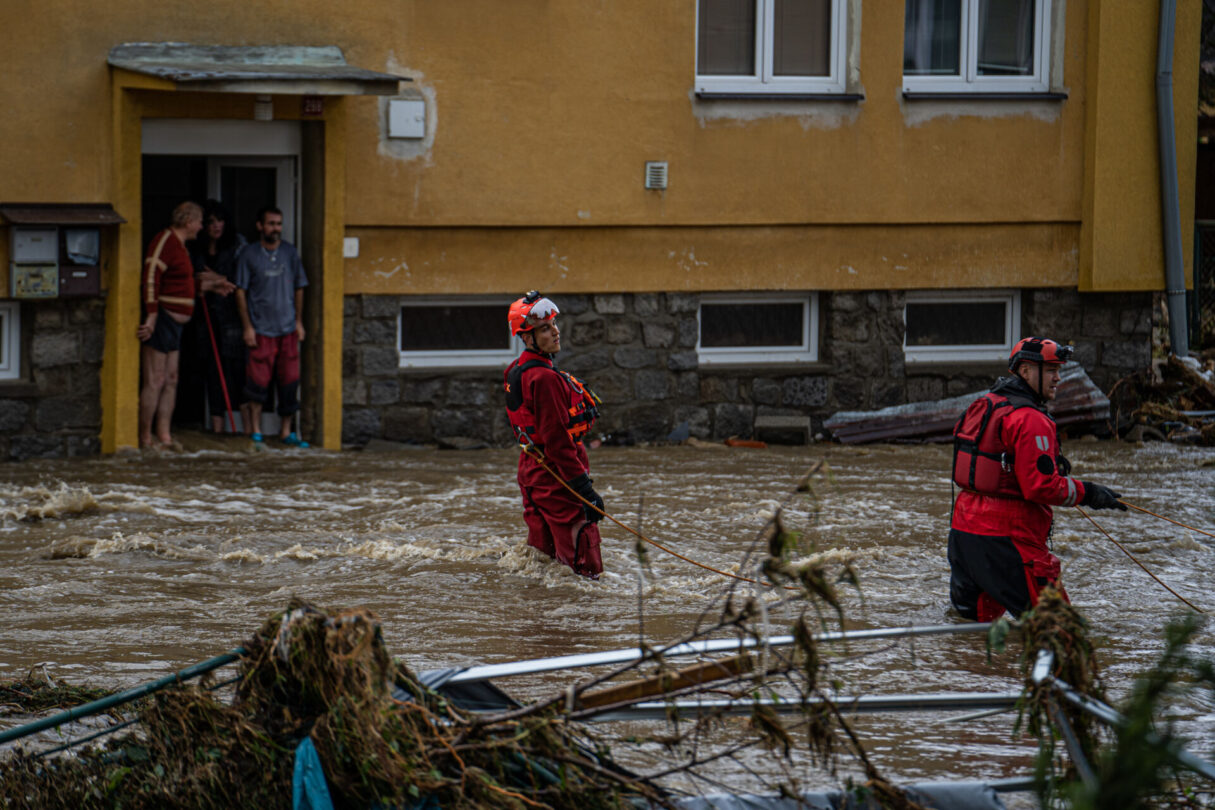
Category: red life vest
<point>981,461</point>
<point>583,407</point>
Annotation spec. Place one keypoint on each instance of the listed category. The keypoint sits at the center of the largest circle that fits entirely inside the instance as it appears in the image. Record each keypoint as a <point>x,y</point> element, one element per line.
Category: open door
<point>245,165</point>
<point>245,184</point>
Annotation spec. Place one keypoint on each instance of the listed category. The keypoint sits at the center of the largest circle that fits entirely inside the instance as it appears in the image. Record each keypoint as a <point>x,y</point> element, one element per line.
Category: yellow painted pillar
<point>333,289</point>
<point>120,362</point>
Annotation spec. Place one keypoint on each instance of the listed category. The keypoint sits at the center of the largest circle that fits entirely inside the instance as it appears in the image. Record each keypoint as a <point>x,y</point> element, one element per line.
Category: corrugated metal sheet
<point>1078,400</point>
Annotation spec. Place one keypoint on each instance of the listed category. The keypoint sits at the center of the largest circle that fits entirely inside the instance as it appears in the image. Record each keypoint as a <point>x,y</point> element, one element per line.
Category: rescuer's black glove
<point>582,485</point>
<point>1100,497</point>
<point>1063,465</point>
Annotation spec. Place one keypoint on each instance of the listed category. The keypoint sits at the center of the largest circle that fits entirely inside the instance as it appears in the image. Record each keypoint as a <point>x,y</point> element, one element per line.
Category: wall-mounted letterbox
<point>80,262</point>
<point>55,249</point>
<point>55,262</point>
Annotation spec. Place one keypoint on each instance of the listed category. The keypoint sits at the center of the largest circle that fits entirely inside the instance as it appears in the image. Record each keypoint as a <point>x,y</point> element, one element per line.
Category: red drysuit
<point>997,541</point>
<point>554,410</point>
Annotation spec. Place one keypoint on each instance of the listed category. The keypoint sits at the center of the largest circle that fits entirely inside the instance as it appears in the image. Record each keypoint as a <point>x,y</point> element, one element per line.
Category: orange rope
<point>1141,565</point>
<point>531,450</point>
<point>1162,517</point>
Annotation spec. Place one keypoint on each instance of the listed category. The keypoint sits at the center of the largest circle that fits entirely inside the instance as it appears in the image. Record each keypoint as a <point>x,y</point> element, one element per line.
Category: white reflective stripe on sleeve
<point>1071,493</point>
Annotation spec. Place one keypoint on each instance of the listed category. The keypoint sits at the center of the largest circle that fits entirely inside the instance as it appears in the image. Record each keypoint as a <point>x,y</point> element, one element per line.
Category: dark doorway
<point>246,190</point>
<point>243,187</point>
<point>167,181</point>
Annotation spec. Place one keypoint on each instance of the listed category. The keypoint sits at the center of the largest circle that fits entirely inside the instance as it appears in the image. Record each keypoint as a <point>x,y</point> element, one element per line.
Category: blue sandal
<point>257,437</point>
<point>293,440</point>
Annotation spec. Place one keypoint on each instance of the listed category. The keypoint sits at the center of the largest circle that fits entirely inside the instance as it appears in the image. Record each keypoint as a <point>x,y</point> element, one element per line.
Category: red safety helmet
<point>1038,350</point>
<point>529,312</point>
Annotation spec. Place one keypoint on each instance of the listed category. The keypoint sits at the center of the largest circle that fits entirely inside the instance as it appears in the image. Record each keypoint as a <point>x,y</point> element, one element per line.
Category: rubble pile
<point>1173,401</point>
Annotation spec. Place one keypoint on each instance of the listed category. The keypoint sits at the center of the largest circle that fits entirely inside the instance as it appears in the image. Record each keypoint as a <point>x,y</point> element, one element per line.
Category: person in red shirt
<point>168,290</point>
<point>1008,464</point>
<point>550,412</point>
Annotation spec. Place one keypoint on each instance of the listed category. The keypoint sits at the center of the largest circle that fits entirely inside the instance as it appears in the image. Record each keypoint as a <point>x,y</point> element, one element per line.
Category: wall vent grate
<point>656,174</point>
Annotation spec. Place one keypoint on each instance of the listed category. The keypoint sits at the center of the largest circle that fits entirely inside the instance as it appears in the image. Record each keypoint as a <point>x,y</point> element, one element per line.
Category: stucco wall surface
<point>541,114</point>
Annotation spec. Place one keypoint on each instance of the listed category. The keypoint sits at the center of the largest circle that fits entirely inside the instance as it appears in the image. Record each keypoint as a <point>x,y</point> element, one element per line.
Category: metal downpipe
<point>1174,268</point>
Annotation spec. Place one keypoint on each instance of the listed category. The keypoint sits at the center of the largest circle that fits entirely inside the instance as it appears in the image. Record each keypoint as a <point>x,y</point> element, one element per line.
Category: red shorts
<point>277,358</point>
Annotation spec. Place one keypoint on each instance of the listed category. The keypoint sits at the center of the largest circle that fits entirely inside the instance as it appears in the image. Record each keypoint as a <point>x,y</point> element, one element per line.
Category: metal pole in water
<point>98,706</point>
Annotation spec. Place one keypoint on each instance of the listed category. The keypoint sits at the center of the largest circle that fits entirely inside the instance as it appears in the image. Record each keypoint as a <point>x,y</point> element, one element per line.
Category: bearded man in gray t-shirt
<point>270,282</point>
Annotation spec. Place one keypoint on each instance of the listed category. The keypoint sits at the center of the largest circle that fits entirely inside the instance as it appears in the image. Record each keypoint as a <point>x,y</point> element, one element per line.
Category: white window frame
<point>764,81</point>
<point>968,79</point>
<point>10,346</point>
<point>966,353</point>
<point>457,358</point>
<point>807,352</point>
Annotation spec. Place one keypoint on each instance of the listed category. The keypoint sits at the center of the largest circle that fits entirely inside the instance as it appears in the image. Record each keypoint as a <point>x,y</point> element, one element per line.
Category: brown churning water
<point>119,570</point>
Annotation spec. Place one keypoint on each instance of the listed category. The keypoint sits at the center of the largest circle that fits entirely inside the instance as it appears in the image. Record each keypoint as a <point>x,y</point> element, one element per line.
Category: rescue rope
<point>535,453</point>
<point>1162,517</point>
<point>1134,560</point>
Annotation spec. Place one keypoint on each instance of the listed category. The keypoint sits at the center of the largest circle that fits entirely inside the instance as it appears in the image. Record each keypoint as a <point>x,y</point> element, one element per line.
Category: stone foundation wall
<point>638,352</point>
<point>54,410</point>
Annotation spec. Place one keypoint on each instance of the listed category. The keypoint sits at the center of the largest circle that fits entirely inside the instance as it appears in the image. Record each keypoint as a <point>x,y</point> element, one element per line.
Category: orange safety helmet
<point>529,312</point>
<point>1038,350</point>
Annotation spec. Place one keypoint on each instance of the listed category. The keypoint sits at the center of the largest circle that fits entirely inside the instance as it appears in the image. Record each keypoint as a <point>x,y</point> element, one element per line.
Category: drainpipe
<point>1174,269</point>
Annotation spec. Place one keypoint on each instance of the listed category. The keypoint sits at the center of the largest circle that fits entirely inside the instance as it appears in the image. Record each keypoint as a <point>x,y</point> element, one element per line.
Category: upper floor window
<point>998,46</point>
<point>770,46</point>
<point>10,340</point>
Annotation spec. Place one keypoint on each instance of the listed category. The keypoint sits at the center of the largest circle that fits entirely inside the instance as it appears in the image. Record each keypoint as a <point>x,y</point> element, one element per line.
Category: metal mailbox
<point>55,262</point>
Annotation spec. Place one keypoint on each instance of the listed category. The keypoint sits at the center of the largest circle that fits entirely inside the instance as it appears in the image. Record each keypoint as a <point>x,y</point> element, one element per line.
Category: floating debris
<point>1078,401</point>
<point>1175,401</point>
<point>37,692</point>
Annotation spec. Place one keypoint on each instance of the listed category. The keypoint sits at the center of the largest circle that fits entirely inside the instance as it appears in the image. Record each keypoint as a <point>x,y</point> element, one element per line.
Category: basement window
<point>447,333</point>
<point>978,326</point>
<point>10,340</point>
<point>738,328</point>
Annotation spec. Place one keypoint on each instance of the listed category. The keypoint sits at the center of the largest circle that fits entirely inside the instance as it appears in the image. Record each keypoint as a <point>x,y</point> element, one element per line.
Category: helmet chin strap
<point>531,345</point>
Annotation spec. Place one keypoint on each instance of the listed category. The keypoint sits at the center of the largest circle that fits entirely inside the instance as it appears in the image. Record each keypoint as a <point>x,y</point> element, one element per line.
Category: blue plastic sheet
<point>310,791</point>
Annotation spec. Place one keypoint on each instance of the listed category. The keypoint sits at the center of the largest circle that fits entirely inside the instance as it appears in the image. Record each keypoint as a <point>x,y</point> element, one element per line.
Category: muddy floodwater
<point>119,570</point>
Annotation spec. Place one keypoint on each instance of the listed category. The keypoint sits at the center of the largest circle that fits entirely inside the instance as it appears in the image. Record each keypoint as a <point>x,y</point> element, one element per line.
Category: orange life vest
<point>583,407</point>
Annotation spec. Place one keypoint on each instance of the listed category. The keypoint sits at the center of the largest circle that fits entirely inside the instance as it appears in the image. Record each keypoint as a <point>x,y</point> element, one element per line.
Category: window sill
<point>451,368</point>
<point>705,95</point>
<point>982,95</point>
<point>776,369</point>
<point>932,368</point>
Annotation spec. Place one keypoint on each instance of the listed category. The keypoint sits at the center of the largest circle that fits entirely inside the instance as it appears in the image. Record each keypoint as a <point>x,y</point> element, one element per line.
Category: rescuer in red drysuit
<point>551,411</point>
<point>1007,461</point>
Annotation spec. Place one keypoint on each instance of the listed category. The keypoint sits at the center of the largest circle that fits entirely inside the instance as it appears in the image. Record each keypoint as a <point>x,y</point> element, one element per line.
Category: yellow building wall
<point>678,258</point>
<point>543,113</point>
<point>554,129</point>
<point>1121,237</point>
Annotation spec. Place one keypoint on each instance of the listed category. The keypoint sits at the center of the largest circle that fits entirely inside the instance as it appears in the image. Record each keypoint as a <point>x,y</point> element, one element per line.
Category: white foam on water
<point>298,552</point>
<point>243,555</point>
<point>118,543</point>
<point>42,503</point>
